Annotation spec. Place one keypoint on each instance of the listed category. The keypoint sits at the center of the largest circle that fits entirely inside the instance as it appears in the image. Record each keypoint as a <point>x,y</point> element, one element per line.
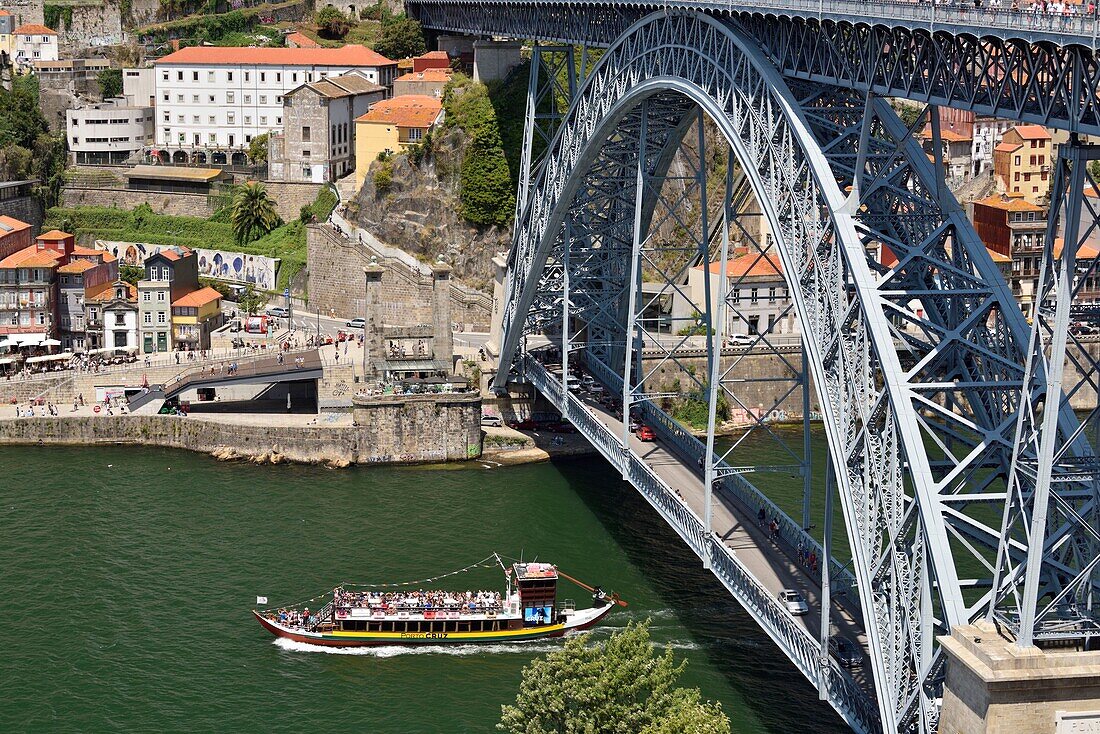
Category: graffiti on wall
<point>232,267</point>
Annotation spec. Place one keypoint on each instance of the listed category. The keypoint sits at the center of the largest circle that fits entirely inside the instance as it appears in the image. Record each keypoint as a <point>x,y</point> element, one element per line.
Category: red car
<point>645,433</point>
<point>524,425</point>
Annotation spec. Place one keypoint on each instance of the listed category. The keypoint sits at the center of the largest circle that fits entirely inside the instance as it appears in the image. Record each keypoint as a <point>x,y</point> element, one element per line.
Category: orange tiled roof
<point>301,40</point>
<point>105,292</point>
<point>1010,204</point>
<point>1084,252</point>
<point>103,255</point>
<point>30,257</point>
<point>949,135</point>
<point>33,29</point>
<point>1032,132</point>
<point>194,299</point>
<point>408,110</point>
<point>997,257</point>
<point>428,75</point>
<point>750,265</point>
<point>435,55</point>
<point>350,55</point>
<point>15,224</point>
<point>4,14</point>
<point>1007,147</point>
<point>77,266</point>
<point>54,235</point>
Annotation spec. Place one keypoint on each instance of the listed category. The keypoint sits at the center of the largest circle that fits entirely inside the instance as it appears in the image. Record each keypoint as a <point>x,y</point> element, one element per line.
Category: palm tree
<point>253,213</point>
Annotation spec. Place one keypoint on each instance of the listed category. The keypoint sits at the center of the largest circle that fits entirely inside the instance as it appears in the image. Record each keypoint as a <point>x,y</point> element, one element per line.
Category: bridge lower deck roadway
<point>766,559</point>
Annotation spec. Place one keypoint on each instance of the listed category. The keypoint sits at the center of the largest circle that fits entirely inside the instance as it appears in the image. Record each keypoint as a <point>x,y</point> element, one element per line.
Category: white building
<point>987,134</point>
<point>213,98</point>
<point>108,132</point>
<point>139,87</point>
<point>33,43</point>
<point>759,297</point>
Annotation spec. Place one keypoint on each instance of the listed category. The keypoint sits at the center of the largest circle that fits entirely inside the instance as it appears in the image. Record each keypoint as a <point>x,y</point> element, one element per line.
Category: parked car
<point>494,421</point>
<point>846,651</point>
<point>635,424</point>
<point>588,381</point>
<point>572,383</point>
<point>356,323</point>
<point>524,425</point>
<point>559,427</point>
<point>741,340</point>
<point>645,433</point>
<point>279,311</point>
<point>793,602</point>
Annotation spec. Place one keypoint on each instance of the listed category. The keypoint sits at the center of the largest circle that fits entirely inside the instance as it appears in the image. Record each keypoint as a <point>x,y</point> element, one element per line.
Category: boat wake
<point>389,651</point>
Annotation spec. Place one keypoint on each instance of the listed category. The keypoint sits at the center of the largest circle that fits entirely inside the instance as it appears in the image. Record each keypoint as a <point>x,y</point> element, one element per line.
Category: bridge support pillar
<point>493,60</point>
<point>996,687</point>
<point>372,328</point>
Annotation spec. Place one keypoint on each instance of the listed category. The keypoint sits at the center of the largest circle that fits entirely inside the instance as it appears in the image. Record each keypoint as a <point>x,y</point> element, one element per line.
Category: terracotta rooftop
<point>749,265</point>
<point>428,75</point>
<point>1032,132</point>
<point>1007,147</point>
<point>173,173</point>
<point>1084,252</point>
<point>301,40</point>
<point>8,225</point>
<point>194,299</point>
<point>345,85</point>
<point>997,257</point>
<point>435,55</point>
<point>1010,203</point>
<point>30,257</point>
<point>350,55</point>
<point>949,135</point>
<point>53,235</point>
<point>4,13</point>
<point>105,292</point>
<point>33,29</point>
<point>408,110</point>
<point>77,266</point>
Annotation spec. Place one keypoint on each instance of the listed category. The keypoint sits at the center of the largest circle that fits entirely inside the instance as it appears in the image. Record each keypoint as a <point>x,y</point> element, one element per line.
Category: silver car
<point>793,602</point>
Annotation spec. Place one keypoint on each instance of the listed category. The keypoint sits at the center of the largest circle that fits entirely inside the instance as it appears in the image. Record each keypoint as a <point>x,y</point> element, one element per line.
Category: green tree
<point>110,82</point>
<point>485,184</point>
<point>401,37</point>
<point>331,22</point>
<point>257,149</point>
<point>621,686</point>
<point>254,213</point>
<point>131,273</point>
<point>250,301</point>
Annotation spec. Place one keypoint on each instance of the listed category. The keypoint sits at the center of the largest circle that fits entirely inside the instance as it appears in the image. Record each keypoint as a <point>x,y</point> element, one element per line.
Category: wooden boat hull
<point>582,620</point>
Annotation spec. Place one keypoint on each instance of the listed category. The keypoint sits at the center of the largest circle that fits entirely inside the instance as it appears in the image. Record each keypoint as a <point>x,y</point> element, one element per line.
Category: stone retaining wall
<point>179,205</point>
<point>394,431</point>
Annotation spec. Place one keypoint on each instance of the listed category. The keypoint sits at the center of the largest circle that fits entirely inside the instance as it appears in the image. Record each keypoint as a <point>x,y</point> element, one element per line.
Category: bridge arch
<point>893,513</point>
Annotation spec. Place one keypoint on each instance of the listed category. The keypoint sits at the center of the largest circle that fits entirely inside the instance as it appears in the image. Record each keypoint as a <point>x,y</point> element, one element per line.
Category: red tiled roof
<point>4,13</point>
<point>201,297</point>
<point>350,55</point>
<point>1011,204</point>
<point>15,224</point>
<point>77,266</point>
<point>105,292</point>
<point>301,40</point>
<point>33,29</point>
<point>1032,132</point>
<point>1007,147</point>
<point>1084,252</point>
<point>103,255</point>
<point>30,257</point>
<point>428,75</point>
<point>408,110</point>
<point>750,265</point>
<point>54,235</point>
<point>435,55</point>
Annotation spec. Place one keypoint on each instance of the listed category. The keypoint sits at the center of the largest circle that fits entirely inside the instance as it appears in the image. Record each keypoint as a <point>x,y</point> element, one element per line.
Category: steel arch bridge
<point>966,481</point>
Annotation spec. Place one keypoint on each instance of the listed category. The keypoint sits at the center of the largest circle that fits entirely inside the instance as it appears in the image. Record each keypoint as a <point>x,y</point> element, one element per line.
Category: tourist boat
<point>528,610</point>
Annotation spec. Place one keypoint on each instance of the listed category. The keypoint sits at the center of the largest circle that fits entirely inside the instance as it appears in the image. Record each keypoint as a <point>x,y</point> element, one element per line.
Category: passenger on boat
<point>420,600</point>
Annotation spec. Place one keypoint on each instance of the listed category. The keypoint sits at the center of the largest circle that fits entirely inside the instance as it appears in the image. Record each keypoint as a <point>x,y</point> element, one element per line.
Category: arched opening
<point>179,157</point>
<point>240,159</point>
<point>198,156</point>
<point>218,158</point>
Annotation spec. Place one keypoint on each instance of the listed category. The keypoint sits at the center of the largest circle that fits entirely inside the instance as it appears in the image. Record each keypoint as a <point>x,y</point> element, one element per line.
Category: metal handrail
<point>854,703</point>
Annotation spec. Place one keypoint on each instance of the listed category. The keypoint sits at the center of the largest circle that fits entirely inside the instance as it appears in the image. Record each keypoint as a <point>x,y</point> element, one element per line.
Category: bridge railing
<point>732,485</point>
<point>803,649</point>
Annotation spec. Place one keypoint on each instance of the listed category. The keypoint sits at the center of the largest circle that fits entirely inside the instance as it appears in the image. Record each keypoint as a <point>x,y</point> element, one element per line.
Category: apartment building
<point>759,295</point>
<point>14,235</point>
<point>33,43</point>
<point>214,98</point>
<point>87,268</point>
<point>7,37</point>
<point>109,132</point>
<point>1022,163</point>
<point>112,316</point>
<point>194,316</point>
<point>391,126</point>
<point>169,275</point>
<point>28,287</point>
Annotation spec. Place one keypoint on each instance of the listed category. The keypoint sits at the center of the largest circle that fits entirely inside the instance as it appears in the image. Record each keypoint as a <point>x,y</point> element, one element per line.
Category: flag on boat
<point>261,600</point>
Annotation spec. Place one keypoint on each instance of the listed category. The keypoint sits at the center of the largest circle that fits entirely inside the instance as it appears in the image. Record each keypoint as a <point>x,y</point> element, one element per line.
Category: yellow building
<point>392,125</point>
<point>1022,163</point>
<point>194,316</point>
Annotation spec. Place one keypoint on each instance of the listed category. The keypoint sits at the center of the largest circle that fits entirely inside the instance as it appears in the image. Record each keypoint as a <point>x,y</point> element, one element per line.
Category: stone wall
<point>186,205</point>
<point>92,26</point>
<point>406,430</point>
<point>26,209</point>
<point>290,197</point>
<point>336,282</point>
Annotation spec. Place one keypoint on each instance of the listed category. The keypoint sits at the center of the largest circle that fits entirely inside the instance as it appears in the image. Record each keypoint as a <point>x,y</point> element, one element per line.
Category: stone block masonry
<point>426,428</point>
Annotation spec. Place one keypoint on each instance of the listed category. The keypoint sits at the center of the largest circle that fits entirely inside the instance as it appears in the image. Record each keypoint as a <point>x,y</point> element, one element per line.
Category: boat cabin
<point>537,584</point>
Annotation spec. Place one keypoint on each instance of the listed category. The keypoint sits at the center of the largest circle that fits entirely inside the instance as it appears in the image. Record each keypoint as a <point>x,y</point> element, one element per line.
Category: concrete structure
<point>391,126</point>
<point>494,60</point>
<point>15,235</point>
<point>429,82</point>
<point>85,269</point>
<point>761,301</point>
<point>169,275</point>
<point>218,99</point>
<point>34,43</point>
<point>112,316</point>
<point>175,179</point>
<point>995,687</point>
<point>1022,163</point>
<point>139,86</point>
<point>317,142</point>
<point>112,131</point>
<point>194,316</point>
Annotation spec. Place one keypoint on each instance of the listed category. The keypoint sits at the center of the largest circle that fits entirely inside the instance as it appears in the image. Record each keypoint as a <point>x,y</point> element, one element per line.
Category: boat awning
<point>50,357</point>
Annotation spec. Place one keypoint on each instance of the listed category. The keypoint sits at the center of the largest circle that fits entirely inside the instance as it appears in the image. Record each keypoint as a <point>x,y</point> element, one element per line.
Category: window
<point>164,75</point>
<point>279,120</point>
<point>194,76</point>
<point>294,77</point>
<point>195,98</point>
<point>148,317</point>
<point>232,139</point>
<point>210,98</point>
<point>1032,161</point>
<point>210,77</point>
<point>146,296</point>
<point>754,295</point>
<point>165,95</point>
<point>229,97</point>
<point>248,120</point>
<point>247,75</point>
<point>305,134</point>
<point>160,296</point>
<point>167,116</point>
<point>160,317</point>
<point>195,119</point>
<point>263,76</point>
<point>1016,176</point>
<point>771,295</point>
<point>263,99</point>
<point>179,76</point>
<point>179,98</point>
<point>179,119</point>
<point>213,120</point>
<point>416,133</point>
<point>230,117</point>
<point>1017,160</point>
<point>248,99</point>
<point>278,76</point>
<point>214,138</point>
<point>263,119</point>
<point>278,99</point>
<point>120,319</point>
<point>229,76</point>
<point>305,154</point>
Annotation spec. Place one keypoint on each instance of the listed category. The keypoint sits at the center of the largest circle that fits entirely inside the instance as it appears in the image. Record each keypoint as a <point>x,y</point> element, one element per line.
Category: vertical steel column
<point>826,588</point>
<point>1070,156</point>
<point>565,313</point>
<point>635,275</point>
<point>528,131</point>
<point>807,474</point>
<point>714,379</point>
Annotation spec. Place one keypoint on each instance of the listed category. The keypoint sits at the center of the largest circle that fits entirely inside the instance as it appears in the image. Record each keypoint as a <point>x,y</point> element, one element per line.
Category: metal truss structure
<point>968,486</point>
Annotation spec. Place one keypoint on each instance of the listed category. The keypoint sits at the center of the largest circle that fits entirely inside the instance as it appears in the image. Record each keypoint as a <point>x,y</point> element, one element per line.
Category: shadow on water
<point>734,644</point>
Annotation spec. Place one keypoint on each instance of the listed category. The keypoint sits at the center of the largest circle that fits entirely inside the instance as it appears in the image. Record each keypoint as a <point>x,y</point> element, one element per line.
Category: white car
<point>356,323</point>
<point>494,421</point>
<point>278,311</point>
<point>742,340</point>
<point>793,602</point>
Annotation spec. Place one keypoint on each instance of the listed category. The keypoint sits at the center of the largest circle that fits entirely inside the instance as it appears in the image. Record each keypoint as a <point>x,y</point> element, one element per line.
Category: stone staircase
<point>346,187</point>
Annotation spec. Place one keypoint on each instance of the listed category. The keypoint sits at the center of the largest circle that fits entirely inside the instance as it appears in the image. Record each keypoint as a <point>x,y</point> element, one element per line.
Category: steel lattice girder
<point>997,73</point>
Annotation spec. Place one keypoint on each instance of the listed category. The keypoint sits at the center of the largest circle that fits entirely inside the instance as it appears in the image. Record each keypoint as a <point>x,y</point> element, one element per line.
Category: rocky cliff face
<point>419,213</point>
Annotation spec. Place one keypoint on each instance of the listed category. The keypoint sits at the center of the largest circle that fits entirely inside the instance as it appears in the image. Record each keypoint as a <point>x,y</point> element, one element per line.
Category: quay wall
<point>396,431</point>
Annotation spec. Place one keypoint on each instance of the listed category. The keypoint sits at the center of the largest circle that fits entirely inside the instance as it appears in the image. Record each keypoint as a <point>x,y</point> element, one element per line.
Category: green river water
<point>128,574</point>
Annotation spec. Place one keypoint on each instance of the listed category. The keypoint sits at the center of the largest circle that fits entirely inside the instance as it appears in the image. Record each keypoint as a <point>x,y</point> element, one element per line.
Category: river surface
<point>127,575</point>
